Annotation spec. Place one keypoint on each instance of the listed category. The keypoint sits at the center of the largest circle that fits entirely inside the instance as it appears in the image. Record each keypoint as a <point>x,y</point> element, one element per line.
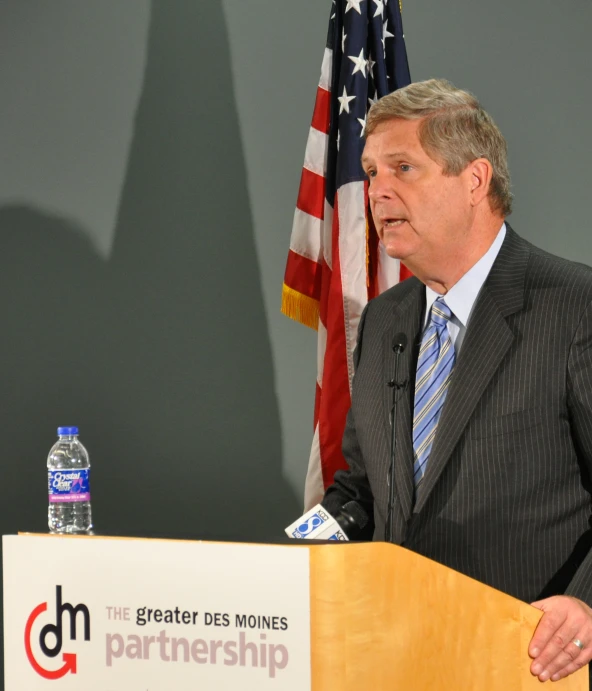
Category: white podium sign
<point>104,614</point>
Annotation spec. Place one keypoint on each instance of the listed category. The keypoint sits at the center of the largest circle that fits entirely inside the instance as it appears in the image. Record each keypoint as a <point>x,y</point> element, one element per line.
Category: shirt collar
<point>463,294</point>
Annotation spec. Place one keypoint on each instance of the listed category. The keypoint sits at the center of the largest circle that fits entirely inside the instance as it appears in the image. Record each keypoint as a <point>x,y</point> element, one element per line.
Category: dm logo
<point>52,647</point>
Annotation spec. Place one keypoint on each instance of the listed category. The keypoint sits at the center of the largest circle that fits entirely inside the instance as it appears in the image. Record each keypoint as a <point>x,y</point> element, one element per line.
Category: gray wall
<point>150,153</point>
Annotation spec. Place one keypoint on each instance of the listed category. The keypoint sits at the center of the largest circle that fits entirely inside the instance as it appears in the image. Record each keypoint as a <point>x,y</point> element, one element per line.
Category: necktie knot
<point>440,313</point>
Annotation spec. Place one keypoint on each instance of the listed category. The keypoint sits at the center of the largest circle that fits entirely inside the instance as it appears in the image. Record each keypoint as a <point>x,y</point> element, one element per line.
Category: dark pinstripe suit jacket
<point>506,497</point>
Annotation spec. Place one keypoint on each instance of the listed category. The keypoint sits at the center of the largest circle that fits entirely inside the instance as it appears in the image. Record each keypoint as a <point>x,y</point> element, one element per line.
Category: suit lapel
<point>487,340</point>
<point>406,318</point>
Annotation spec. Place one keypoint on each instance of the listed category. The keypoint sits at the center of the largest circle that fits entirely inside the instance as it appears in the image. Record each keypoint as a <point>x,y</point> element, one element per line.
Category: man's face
<point>422,216</point>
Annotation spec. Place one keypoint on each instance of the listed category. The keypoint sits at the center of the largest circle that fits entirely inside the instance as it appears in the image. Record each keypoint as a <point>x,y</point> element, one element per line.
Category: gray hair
<point>455,130</point>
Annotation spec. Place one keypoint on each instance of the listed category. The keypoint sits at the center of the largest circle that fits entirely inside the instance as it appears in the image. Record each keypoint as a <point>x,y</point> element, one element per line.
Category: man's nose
<point>381,187</point>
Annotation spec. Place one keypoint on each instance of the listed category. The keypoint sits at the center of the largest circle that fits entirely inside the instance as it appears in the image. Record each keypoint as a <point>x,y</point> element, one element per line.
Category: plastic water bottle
<point>68,485</point>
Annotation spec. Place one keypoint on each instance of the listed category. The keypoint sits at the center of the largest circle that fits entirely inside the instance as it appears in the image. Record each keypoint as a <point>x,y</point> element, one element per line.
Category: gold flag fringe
<point>300,307</point>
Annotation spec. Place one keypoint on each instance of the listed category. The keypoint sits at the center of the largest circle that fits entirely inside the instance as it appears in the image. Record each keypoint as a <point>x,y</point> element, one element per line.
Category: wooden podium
<point>380,618</point>
<point>383,617</point>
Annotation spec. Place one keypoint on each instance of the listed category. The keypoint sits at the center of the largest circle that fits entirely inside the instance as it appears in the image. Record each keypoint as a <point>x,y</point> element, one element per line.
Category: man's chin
<point>397,244</point>
<point>396,250</point>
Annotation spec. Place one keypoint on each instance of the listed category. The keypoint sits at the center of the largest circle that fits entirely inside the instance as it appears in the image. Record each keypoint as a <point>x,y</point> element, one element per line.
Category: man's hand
<point>564,621</point>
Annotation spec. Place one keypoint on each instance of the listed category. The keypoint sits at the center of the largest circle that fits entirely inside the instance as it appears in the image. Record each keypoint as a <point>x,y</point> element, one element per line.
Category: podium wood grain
<point>383,617</point>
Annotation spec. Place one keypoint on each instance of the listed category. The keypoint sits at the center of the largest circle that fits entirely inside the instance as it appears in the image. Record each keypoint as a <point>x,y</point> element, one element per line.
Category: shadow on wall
<point>162,355</point>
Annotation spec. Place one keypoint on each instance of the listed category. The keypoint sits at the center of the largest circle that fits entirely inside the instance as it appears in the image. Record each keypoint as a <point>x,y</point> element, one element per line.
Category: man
<point>493,461</point>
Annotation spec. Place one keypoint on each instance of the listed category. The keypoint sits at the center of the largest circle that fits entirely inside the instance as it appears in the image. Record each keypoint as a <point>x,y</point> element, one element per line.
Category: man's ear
<point>481,172</point>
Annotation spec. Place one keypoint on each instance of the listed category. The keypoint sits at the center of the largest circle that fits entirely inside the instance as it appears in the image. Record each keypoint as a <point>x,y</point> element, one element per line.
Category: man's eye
<point>370,173</point>
<point>404,167</point>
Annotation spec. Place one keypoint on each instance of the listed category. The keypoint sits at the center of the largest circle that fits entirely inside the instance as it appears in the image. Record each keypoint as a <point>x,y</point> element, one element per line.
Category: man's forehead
<point>401,136</point>
<point>397,140</point>
<point>388,149</point>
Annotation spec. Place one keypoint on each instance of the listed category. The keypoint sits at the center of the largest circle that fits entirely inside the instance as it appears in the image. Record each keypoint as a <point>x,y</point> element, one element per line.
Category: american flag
<point>335,263</point>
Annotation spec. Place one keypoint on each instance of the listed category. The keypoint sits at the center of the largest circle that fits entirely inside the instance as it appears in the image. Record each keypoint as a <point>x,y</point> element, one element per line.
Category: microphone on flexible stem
<point>399,344</point>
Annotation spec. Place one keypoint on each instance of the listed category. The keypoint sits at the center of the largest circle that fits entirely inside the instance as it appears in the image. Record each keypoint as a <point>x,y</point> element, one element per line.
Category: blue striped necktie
<point>434,369</point>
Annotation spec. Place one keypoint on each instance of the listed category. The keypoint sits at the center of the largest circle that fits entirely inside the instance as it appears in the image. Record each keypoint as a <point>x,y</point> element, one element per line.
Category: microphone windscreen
<point>358,514</point>
<point>399,342</point>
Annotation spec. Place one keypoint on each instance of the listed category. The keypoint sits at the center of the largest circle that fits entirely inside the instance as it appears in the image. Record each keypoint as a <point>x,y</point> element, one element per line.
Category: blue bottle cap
<point>67,431</point>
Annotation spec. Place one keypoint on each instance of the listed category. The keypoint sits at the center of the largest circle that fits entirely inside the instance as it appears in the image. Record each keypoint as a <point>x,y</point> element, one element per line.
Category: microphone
<point>352,518</point>
<point>319,524</point>
<point>399,344</point>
